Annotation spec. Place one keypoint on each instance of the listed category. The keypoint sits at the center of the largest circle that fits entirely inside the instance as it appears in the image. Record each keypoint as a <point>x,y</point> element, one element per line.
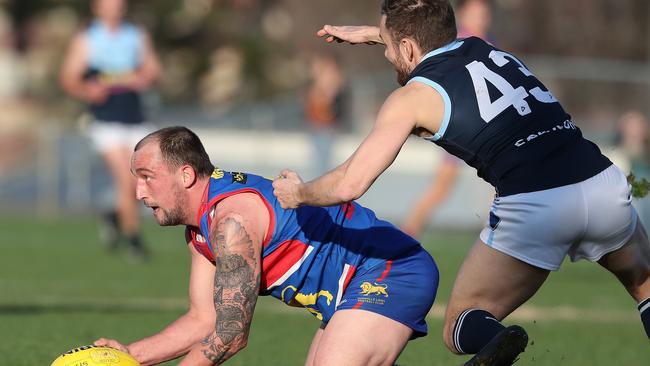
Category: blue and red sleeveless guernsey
<point>310,254</point>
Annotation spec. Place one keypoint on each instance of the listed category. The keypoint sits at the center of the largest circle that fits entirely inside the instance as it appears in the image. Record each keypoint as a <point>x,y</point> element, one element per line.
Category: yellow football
<point>95,356</point>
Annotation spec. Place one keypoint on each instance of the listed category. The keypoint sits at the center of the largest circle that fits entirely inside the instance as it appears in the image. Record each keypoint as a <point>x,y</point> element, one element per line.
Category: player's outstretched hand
<point>286,187</point>
<point>352,34</point>
<point>105,342</point>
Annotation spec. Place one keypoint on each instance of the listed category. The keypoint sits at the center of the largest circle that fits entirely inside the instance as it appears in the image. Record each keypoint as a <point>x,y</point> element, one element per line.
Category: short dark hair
<point>431,23</point>
<point>180,146</point>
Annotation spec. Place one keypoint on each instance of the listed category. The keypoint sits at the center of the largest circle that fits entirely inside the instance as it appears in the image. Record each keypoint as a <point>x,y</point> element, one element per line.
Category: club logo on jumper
<point>307,300</point>
<point>238,177</point>
<point>377,289</point>
<point>217,174</point>
<point>105,356</point>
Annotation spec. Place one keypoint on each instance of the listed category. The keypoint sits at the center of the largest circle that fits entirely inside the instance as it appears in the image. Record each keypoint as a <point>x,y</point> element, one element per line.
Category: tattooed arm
<point>236,234</point>
<point>180,336</point>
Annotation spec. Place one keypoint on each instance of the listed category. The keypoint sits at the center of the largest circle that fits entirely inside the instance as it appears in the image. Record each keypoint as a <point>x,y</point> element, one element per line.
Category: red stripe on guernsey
<point>357,305</point>
<point>283,262</point>
<point>207,205</point>
<point>202,247</point>
<point>389,264</point>
<point>348,207</point>
<point>344,281</point>
<point>348,277</point>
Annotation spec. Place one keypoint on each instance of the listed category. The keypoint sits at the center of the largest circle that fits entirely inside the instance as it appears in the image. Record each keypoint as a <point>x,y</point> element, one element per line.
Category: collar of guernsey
<point>437,87</point>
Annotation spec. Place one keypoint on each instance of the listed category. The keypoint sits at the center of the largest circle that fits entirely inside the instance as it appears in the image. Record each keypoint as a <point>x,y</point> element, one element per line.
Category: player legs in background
<point>437,192</point>
<point>126,206</point>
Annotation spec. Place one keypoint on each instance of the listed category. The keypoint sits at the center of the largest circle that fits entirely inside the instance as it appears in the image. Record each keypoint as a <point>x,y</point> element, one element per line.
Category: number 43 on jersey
<point>511,96</point>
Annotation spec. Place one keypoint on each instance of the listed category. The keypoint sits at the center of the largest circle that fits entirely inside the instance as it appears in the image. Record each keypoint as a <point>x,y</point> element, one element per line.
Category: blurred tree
<point>273,37</point>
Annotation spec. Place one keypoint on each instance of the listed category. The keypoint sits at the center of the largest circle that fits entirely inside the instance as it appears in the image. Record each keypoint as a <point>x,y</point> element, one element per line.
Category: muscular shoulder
<point>241,213</point>
<point>424,103</point>
<point>416,91</point>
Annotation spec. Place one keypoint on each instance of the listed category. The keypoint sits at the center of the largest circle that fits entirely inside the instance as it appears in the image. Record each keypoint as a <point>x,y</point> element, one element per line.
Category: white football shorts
<point>584,220</point>
<point>109,135</point>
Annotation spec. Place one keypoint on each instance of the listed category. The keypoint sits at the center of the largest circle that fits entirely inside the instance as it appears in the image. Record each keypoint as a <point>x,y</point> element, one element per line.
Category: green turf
<point>59,290</point>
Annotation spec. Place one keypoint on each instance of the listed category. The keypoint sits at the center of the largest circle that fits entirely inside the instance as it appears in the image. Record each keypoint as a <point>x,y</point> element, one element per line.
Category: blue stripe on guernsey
<point>113,55</point>
<point>449,47</point>
<point>114,51</point>
<point>445,97</point>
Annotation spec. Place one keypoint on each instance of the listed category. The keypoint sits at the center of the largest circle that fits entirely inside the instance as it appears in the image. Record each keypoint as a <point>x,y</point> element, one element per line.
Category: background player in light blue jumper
<point>107,66</point>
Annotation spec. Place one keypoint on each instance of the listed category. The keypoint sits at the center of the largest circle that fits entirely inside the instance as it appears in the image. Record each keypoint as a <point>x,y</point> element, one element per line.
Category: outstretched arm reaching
<point>353,34</point>
<point>412,106</point>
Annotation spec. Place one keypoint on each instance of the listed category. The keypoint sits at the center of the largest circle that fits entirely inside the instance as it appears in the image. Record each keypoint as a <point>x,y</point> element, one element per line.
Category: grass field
<point>59,290</point>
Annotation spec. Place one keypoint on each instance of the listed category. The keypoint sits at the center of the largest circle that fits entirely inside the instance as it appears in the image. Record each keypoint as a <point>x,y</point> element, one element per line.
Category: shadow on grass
<point>89,307</point>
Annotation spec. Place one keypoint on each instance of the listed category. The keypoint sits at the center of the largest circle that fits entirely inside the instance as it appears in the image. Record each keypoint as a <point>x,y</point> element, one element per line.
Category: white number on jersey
<point>510,96</point>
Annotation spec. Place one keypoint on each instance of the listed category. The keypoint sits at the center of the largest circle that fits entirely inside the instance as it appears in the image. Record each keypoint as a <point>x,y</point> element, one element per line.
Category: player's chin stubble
<point>175,216</point>
<point>403,73</point>
<point>172,217</point>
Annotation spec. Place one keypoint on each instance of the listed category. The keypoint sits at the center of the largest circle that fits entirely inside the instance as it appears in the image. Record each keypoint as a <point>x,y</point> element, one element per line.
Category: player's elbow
<point>156,70</point>
<point>66,83</point>
<point>350,191</point>
<point>238,344</point>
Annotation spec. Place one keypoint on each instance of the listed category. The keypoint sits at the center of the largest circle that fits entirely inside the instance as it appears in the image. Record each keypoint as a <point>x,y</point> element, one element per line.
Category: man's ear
<point>407,50</point>
<point>410,51</point>
<point>188,176</point>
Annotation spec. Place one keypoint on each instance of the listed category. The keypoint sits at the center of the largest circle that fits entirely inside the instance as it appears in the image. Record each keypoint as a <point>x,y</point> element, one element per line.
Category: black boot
<point>503,349</point>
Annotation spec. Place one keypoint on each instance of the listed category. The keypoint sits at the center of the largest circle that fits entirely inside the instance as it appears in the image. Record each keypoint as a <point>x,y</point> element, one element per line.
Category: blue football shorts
<point>403,289</point>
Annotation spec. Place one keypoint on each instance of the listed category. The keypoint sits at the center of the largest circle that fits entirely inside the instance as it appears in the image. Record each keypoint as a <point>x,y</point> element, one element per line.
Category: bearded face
<point>158,186</point>
<point>175,215</point>
<point>402,70</point>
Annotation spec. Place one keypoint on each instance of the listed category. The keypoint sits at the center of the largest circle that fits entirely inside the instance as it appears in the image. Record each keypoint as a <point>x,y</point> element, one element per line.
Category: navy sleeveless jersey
<point>502,121</point>
<point>310,254</point>
<point>112,57</point>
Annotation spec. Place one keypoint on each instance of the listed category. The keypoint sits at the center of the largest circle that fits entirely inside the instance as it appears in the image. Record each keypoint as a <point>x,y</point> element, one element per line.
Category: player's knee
<point>642,284</point>
<point>636,281</point>
<point>447,335</point>
<point>450,345</point>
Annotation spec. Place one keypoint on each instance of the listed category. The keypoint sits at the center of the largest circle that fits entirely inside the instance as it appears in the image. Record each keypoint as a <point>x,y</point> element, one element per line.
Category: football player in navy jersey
<point>486,107</point>
<point>370,284</point>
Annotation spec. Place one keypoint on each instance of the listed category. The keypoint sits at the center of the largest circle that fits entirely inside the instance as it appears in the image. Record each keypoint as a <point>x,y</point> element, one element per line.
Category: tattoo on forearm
<point>236,285</point>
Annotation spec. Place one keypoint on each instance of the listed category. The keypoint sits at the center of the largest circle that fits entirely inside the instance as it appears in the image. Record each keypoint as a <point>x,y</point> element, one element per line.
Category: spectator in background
<point>16,119</point>
<point>107,66</point>
<point>634,141</point>
<point>474,18</point>
<point>324,106</point>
